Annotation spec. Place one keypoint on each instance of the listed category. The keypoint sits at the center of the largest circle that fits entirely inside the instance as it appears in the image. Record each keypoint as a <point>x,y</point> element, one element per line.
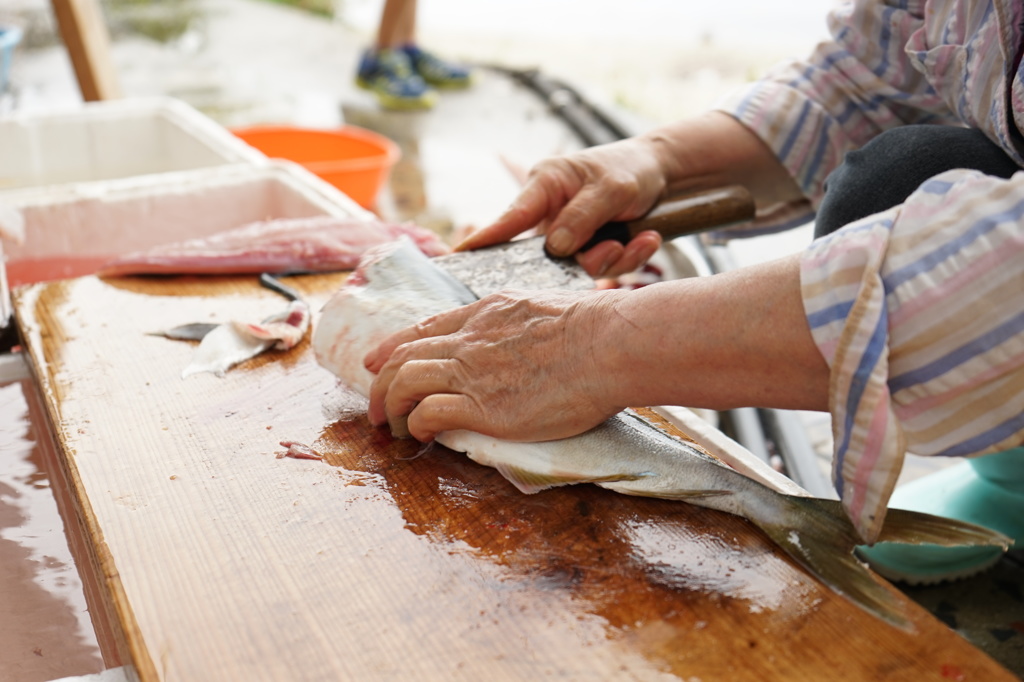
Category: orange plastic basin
<point>355,160</point>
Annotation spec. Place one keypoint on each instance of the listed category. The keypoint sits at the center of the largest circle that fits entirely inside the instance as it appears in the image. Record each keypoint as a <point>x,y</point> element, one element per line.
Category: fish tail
<point>916,528</point>
<point>818,534</point>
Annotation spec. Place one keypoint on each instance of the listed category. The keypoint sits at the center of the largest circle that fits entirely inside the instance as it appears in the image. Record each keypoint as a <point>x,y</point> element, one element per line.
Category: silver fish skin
<point>396,286</point>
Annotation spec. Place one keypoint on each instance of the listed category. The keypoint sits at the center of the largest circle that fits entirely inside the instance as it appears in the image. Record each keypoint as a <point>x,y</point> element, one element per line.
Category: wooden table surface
<point>213,559</point>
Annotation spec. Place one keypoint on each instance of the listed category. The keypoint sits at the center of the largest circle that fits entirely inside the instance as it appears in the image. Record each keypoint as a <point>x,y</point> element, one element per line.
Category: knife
<point>524,263</point>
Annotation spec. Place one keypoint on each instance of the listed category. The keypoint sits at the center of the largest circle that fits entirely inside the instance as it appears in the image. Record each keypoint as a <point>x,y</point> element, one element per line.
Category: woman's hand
<point>569,197</point>
<point>513,365</point>
<point>539,366</point>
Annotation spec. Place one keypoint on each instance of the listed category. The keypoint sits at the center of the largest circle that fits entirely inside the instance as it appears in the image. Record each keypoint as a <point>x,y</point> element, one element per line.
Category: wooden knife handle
<point>686,214</point>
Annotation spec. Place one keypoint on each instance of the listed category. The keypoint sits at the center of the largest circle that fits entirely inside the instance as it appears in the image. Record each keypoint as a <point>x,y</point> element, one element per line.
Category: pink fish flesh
<point>316,244</point>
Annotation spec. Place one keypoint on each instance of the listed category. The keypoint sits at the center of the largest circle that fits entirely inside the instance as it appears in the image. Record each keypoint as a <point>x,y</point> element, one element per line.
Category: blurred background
<point>245,60</point>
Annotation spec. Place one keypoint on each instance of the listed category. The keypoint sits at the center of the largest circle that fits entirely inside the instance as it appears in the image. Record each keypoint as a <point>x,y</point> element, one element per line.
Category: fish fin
<point>530,482</point>
<point>819,536</point>
<point>187,332</point>
<point>915,528</point>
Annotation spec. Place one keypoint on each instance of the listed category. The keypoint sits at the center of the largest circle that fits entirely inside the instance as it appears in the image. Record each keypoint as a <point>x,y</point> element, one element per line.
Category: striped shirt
<point>919,310</point>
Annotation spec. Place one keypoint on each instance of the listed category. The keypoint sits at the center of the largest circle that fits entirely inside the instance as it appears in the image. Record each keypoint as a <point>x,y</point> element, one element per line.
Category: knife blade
<point>525,264</point>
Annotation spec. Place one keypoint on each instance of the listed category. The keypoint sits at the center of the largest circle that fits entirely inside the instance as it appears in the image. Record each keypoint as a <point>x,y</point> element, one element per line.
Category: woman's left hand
<point>518,366</point>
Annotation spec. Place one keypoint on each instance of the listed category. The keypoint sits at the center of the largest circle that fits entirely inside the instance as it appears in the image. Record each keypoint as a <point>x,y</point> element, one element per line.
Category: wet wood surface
<point>216,560</point>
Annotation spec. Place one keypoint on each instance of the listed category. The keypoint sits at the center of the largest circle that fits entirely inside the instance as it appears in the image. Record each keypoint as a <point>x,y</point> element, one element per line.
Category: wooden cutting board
<point>213,559</point>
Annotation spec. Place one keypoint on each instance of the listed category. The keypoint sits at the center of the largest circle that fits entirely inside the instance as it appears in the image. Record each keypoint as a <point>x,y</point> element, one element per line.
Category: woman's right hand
<point>569,197</point>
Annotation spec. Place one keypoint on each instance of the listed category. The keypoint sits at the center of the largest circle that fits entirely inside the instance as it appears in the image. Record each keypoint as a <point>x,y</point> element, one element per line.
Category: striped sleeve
<point>919,312</point>
<point>853,87</point>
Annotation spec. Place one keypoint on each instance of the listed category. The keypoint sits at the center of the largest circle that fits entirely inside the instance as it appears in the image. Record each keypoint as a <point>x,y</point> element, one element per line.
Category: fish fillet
<point>317,244</point>
<point>396,286</point>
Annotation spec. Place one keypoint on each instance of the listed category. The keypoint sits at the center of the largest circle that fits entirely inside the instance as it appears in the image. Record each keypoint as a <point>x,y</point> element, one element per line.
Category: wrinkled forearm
<point>735,339</point>
<point>715,149</point>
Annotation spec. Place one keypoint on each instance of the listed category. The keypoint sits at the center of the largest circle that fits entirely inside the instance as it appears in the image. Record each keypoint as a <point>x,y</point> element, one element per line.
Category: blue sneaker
<point>437,72</point>
<point>987,491</point>
<point>389,74</point>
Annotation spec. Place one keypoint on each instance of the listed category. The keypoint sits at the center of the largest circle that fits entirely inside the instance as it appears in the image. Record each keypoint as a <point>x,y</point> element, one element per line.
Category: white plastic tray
<point>80,226</point>
<point>116,139</point>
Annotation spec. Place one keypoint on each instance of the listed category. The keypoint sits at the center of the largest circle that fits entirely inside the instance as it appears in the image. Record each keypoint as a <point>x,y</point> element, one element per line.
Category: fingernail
<point>605,266</point>
<point>560,242</point>
<point>369,358</point>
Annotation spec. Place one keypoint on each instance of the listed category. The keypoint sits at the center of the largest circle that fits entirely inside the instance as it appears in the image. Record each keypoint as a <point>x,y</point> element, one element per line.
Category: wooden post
<point>88,43</point>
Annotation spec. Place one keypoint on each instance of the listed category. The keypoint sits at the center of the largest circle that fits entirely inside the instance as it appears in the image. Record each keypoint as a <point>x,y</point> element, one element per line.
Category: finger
<point>445,412</point>
<point>611,259</point>
<point>579,219</point>
<point>379,356</point>
<point>639,250</point>
<point>413,351</point>
<point>530,207</point>
<point>441,324</point>
<point>415,381</point>
<point>599,259</point>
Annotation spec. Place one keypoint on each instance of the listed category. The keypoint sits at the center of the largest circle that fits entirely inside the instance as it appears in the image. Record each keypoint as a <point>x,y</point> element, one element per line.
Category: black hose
<point>590,123</point>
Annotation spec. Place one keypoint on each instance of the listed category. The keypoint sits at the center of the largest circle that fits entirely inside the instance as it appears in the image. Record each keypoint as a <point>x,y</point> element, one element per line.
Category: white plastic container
<point>70,230</point>
<point>116,139</point>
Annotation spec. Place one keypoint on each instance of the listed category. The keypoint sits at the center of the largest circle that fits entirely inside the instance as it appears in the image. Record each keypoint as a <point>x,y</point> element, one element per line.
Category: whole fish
<point>396,286</point>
